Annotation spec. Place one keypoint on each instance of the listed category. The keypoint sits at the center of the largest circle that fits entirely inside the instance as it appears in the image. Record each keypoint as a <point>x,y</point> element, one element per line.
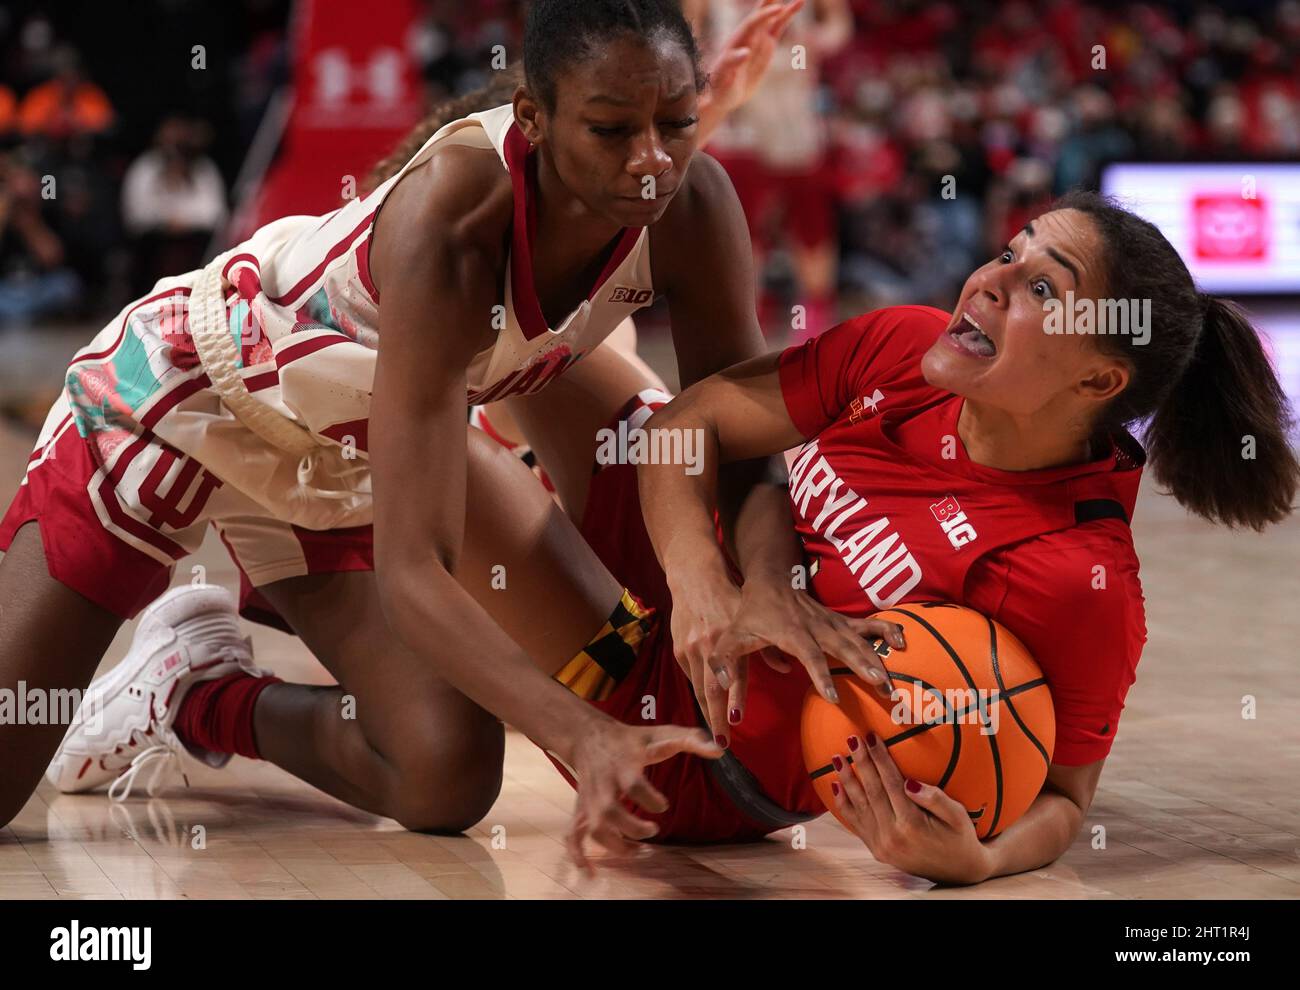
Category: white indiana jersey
<point>307,311</point>
<point>242,390</point>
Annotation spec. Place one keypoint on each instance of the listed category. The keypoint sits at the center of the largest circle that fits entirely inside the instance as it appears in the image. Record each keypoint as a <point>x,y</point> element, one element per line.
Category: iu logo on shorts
<point>630,295</point>
<point>952,520</point>
<point>165,507</point>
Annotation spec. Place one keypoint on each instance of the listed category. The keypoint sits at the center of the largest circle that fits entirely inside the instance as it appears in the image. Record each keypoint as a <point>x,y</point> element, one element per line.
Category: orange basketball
<point>970,713</point>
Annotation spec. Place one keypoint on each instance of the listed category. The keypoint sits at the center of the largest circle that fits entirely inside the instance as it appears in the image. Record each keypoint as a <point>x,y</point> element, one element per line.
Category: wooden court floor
<point>1195,802</point>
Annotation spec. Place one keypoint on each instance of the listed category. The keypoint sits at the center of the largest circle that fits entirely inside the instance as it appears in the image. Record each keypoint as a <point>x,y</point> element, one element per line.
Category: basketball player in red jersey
<point>254,395</point>
<point>980,458</point>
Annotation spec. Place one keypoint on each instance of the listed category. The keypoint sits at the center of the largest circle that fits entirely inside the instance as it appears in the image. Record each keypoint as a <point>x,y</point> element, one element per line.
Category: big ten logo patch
<point>630,295</point>
<point>952,520</point>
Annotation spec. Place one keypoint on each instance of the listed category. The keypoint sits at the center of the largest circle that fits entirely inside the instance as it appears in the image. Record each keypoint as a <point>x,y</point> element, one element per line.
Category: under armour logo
<point>336,77</point>
<point>859,406</point>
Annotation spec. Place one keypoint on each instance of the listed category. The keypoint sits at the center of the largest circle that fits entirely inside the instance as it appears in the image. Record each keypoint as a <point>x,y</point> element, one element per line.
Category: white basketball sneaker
<point>188,636</point>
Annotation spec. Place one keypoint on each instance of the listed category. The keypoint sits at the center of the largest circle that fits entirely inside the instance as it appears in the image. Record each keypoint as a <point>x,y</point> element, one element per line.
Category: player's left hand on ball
<point>913,826</point>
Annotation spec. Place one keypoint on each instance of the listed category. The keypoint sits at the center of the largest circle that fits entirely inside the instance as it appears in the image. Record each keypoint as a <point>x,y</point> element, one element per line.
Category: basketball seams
<point>994,752</point>
<point>1022,688</point>
<point>916,730</point>
<point>988,821</point>
<point>970,683</point>
<point>997,756</point>
<point>1005,695</point>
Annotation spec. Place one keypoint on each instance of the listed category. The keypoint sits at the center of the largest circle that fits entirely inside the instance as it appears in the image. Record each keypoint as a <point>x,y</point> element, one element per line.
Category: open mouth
<point>968,335</point>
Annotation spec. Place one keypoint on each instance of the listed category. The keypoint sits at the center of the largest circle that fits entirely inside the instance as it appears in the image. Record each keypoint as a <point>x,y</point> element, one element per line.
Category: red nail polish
<point>913,786</point>
<point>835,789</point>
<point>871,739</point>
<point>837,763</point>
<point>853,744</point>
<point>721,741</point>
<point>734,716</point>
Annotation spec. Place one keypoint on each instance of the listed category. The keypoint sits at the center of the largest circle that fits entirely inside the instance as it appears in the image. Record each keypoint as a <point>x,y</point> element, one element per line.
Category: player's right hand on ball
<point>609,764</point>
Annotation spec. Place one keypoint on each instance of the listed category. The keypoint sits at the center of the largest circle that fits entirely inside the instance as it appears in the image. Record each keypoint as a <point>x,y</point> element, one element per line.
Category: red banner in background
<point>355,92</point>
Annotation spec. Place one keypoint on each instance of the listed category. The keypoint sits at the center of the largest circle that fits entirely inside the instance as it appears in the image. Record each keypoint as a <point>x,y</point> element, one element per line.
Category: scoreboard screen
<point>1236,225</point>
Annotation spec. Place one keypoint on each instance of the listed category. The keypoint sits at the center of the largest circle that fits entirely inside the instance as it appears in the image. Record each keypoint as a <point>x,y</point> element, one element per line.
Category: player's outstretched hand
<point>610,767</point>
<point>742,60</point>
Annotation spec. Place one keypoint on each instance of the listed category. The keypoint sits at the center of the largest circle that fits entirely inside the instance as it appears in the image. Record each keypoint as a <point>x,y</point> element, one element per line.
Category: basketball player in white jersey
<point>254,395</point>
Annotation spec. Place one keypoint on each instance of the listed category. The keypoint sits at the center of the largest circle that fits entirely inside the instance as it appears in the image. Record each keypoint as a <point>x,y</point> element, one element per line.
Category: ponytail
<point>1217,417</point>
<point>1219,440</point>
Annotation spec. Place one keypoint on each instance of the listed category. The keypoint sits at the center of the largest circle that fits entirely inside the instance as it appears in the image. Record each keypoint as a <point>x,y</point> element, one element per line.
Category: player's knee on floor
<point>448,785</point>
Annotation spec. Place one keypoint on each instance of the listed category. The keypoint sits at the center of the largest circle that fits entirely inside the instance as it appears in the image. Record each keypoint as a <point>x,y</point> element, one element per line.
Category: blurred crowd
<point>107,182</point>
<point>940,127</point>
<point>906,146</point>
<point>1019,102</point>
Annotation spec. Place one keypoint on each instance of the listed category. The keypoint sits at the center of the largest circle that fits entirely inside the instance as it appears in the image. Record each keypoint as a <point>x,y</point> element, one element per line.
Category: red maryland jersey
<point>891,509</point>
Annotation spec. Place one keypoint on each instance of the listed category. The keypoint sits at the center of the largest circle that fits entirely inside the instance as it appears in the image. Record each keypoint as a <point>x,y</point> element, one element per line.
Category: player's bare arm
<point>710,288</point>
<point>438,254</point>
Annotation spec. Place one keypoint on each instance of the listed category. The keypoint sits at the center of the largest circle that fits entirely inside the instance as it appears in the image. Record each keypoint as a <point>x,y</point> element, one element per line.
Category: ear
<point>529,115</point>
<point>1105,381</point>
